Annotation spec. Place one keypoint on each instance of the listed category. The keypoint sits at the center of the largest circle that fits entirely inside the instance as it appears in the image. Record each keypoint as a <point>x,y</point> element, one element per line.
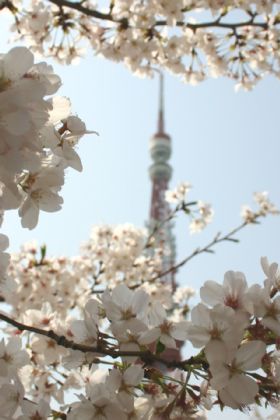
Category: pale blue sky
<point>226,144</point>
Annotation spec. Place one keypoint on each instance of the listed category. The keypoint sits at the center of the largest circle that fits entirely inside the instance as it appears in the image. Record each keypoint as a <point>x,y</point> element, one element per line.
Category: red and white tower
<point>160,174</point>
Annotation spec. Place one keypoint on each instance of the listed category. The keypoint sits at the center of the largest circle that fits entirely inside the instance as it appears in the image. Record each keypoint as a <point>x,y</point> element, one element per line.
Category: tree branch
<point>207,248</point>
<point>216,24</point>
<point>78,6</point>
<point>85,10</point>
<point>146,356</point>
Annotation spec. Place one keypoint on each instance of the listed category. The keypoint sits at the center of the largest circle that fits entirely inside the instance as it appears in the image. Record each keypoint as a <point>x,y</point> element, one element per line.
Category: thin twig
<point>207,248</point>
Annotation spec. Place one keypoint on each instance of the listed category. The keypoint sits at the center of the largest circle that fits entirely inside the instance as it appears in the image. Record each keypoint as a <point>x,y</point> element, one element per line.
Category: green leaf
<point>43,251</point>
<point>160,347</point>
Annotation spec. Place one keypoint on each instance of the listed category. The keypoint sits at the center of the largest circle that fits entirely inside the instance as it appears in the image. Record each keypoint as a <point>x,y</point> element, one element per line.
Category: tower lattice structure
<point>160,174</point>
<point>159,223</point>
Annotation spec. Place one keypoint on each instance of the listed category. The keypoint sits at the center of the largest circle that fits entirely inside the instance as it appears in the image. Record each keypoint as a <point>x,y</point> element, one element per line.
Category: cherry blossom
<point>125,384</point>
<point>265,207</point>
<point>272,272</point>
<point>31,172</point>
<point>265,307</point>
<point>201,213</point>
<point>11,398</point>
<point>193,40</point>
<point>31,411</point>
<point>178,195</point>
<point>235,388</point>
<point>125,307</point>
<point>232,293</point>
<point>166,332</point>
<point>116,322</point>
<point>205,217</point>
<point>11,357</point>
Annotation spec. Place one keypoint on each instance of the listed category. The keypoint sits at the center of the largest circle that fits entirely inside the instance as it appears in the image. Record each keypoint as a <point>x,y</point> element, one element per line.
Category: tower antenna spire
<point>161,104</point>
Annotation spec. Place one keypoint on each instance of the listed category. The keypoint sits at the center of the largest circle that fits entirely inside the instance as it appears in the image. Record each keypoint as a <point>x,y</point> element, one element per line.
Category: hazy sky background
<point>226,144</point>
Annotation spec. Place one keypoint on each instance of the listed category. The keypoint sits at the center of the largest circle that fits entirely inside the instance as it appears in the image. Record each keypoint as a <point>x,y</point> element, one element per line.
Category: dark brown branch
<point>85,10</point>
<point>146,356</point>
<point>216,24</point>
<point>9,5</point>
<point>211,24</point>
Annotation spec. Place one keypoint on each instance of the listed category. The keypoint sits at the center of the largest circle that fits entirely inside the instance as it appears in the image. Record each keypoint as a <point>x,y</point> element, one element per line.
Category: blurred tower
<point>160,174</point>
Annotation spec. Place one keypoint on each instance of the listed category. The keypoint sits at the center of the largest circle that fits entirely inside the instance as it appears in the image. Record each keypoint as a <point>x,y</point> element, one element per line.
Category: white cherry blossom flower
<point>166,332</point>
<point>42,193</point>
<point>12,357</point>
<point>265,204</point>
<point>101,403</point>
<point>129,340</point>
<point>232,293</point>
<point>183,294</point>
<point>11,399</point>
<point>272,272</point>
<point>124,384</point>
<point>44,318</point>
<point>124,306</point>
<point>101,408</point>
<point>247,214</point>
<point>60,109</point>
<point>47,350</point>
<point>220,327</point>
<point>236,389</point>
<point>16,63</point>
<point>86,331</point>
<point>31,410</point>
<point>265,307</point>
<point>178,195</point>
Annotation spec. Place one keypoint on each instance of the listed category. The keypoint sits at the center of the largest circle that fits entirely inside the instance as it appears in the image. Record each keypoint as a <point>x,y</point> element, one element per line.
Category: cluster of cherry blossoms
<point>265,207</point>
<point>201,213</point>
<point>193,39</point>
<point>100,335</point>
<point>111,256</point>
<point>74,352</point>
<point>48,293</point>
<point>38,138</point>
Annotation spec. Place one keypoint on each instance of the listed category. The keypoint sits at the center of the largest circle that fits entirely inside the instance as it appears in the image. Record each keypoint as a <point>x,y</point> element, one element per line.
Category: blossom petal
<point>17,62</point>
<point>149,336</point>
<point>249,355</point>
<point>211,292</point>
<point>242,389</point>
<point>133,375</point>
<point>29,213</point>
